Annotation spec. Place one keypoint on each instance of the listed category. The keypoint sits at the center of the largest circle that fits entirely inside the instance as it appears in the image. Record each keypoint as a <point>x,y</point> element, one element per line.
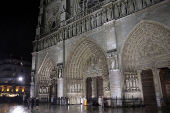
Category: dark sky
<point>18,21</point>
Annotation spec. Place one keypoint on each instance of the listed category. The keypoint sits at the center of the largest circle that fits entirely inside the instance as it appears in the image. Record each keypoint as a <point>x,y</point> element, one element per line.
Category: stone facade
<point>114,39</point>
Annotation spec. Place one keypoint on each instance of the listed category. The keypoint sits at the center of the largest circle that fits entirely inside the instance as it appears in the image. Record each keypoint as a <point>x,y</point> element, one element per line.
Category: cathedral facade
<point>110,48</point>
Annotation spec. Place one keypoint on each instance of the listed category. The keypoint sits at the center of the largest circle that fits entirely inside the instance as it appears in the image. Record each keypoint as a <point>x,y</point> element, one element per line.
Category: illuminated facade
<point>114,48</point>
<point>11,69</point>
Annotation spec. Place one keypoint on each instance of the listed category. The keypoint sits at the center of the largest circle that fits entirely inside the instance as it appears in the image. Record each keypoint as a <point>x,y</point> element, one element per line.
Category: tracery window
<point>88,3</point>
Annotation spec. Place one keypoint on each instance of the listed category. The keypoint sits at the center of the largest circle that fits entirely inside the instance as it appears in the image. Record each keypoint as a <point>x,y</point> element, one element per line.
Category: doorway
<point>165,81</point>
<point>148,88</point>
<point>99,84</point>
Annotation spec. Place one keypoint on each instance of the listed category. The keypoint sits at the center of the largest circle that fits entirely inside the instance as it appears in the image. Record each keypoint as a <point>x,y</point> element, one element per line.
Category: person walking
<point>102,102</point>
<point>37,103</point>
<point>28,101</point>
<point>32,103</point>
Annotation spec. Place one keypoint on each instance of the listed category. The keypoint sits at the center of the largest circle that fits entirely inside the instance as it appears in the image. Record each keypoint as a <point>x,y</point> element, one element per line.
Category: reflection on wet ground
<point>47,108</point>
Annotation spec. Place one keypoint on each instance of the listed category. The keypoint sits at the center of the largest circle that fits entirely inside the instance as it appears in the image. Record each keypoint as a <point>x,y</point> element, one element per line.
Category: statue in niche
<point>98,19</point>
<point>93,23</point>
<point>61,38</point>
<point>43,90</point>
<point>103,16</point>
<point>116,11</point>
<point>76,7</point>
<point>138,4</point>
<point>109,13</point>
<point>123,9</point>
<point>70,31</point>
<point>74,30</point>
<point>66,34</point>
<point>78,29</point>
<point>130,8</point>
<point>32,79</point>
<point>88,23</point>
<point>60,73</point>
<point>40,90</point>
<point>83,26</point>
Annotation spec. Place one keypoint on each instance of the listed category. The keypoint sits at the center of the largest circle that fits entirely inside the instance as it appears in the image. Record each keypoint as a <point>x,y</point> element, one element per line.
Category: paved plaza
<point>47,108</point>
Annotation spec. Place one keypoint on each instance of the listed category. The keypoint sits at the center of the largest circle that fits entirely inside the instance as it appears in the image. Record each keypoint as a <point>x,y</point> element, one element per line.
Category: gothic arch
<point>145,43</point>
<point>80,53</point>
<point>86,59</point>
<point>43,76</point>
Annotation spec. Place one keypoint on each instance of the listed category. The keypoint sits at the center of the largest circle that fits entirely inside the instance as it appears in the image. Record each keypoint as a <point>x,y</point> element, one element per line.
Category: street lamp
<point>20,78</point>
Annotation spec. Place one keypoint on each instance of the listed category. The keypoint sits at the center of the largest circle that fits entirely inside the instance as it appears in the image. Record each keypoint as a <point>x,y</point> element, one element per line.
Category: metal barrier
<point>119,102</point>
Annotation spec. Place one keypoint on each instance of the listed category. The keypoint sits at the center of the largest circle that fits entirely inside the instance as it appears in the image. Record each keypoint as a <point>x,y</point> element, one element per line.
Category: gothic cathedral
<point>111,48</point>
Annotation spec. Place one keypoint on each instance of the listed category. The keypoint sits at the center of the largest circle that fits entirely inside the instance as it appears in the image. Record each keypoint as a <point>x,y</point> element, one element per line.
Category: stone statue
<point>74,30</point>
<point>70,31</point>
<point>83,26</point>
<point>40,90</point>
<point>116,11</point>
<point>109,13</point>
<point>61,38</point>
<point>138,4</point>
<point>98,19</point>
<point>123,9</point>
<point>93,25</point>
<point>88,24</point>
<point>78,29</point>
<point>76,6</point>
<point>113,63</point>
<point>66,33</point>
<point>60,73</point>
<point>103,16</point>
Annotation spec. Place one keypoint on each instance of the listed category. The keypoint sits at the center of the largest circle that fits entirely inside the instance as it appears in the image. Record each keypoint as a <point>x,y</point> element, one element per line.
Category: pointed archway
<point>44,79</point>
<point>86,59</point>
<point>146,48</point>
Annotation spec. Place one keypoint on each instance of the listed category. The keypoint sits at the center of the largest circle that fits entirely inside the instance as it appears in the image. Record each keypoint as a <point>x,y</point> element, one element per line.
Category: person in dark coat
<point>32,103</point>
<point>37,103</point>
<point>28,101</point>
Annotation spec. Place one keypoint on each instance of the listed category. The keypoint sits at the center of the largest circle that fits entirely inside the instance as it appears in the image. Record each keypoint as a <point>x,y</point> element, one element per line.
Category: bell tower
<point>51,15</point>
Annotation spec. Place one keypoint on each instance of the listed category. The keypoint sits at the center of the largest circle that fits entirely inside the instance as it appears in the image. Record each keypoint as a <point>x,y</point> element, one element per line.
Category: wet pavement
<point>47,108</point>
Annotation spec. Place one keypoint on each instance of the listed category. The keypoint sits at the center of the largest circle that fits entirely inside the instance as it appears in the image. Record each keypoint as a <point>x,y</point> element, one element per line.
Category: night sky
<point>18,22</point>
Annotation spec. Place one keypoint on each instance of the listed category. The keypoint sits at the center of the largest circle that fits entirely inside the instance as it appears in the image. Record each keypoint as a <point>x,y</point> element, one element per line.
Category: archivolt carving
<point>147,40</point>
<point>46,69</point>
<point>86,56</point>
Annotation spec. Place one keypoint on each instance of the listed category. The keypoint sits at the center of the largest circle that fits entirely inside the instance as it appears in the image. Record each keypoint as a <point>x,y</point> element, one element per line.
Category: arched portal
<point>146,49</point>
<point>86,59</point>
<point>47,75</point>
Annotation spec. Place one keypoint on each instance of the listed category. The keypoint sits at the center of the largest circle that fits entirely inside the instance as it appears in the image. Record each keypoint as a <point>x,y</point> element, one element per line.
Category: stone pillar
<point>94,87</point>
<point>140,83</point>
<point>32,87</point>
<point>60,87</point>
<point>114,75</point>
<point>157,89</point>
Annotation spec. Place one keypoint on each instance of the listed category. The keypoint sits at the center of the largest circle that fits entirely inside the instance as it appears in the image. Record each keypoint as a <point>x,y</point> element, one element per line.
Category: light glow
<point>20,78</point>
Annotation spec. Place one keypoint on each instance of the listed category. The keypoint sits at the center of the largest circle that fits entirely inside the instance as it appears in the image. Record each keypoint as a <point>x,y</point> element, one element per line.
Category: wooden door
<point>89,89</point>
<point>148,88</point>
<point>99,86</point>
<point>165,82</point>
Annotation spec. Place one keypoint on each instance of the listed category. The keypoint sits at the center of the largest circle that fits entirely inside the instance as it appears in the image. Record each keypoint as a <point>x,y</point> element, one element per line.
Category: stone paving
<point>47,108</point>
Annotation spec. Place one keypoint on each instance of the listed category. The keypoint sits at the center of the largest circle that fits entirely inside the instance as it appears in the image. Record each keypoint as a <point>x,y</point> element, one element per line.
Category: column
<point>140,83</point>
<point>157,89</point>
<point>32,85</point>
<point>114,76</point>
<point>94,87</point>
<point>60,85</point>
